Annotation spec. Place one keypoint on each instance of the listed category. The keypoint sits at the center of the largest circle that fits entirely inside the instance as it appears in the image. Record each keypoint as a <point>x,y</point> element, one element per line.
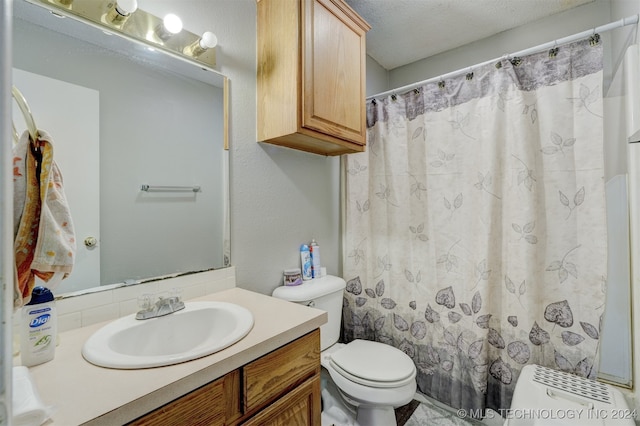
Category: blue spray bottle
<point>305,262</point>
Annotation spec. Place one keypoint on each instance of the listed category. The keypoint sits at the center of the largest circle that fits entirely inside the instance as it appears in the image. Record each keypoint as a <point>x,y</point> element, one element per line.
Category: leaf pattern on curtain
<point>475,234</point>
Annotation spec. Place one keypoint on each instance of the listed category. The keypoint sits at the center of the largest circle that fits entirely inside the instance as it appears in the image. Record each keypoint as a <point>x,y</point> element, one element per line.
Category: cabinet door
<point>213,404</point>
<point>299,407</point>
<point>277,373</point>
<point>334,62</point>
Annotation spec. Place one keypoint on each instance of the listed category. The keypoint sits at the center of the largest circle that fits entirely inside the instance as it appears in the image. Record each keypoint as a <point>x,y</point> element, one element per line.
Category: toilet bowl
<point>372,377</point>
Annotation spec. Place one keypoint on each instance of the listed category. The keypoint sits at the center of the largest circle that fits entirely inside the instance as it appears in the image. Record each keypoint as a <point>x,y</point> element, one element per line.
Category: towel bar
<point>160,188</point>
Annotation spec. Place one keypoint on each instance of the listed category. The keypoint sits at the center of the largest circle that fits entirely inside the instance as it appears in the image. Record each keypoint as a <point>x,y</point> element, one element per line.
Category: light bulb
<point>120,11</point>
<point>198,47</point>
<point>170,26</point>
<point>208,40</point>
<point>172,23</point>
<point>126,7</point>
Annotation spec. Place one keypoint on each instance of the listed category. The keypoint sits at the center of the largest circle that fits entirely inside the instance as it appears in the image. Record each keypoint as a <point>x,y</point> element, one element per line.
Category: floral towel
<point>44,239</point>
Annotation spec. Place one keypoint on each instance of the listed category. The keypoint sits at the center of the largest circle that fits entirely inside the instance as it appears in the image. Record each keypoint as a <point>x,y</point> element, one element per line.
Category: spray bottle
<point>305,262</point>
<point>315,259</point>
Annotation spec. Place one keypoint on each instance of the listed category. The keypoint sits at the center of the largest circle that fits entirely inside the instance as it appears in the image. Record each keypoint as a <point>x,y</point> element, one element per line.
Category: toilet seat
<point>373,364</point>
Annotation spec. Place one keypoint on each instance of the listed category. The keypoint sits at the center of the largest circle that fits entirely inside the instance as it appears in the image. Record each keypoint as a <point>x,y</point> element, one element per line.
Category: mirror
<point>121,116</point>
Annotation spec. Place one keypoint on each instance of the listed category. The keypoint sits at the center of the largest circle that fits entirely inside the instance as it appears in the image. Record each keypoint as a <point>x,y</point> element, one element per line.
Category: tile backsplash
<point>105,305</point>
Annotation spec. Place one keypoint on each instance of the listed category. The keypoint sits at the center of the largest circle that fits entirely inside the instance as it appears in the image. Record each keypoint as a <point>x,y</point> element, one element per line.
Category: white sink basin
<point>200,329</point>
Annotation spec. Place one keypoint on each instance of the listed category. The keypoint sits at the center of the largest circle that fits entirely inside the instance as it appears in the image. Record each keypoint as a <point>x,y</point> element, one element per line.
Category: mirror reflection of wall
<point>155,128</point>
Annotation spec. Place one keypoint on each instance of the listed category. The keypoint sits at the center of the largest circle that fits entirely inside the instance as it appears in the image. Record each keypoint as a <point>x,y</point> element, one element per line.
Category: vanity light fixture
<point>120,11</point>
<point>198,47</point>
<point>170,26</point>
<point>124,17</point>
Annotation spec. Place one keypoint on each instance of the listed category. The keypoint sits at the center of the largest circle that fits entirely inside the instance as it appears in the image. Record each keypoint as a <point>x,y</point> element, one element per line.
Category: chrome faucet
<point>163,306</point>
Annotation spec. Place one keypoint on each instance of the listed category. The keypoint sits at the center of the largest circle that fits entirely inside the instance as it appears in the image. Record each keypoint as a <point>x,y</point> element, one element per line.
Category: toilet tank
<point>324,293</point>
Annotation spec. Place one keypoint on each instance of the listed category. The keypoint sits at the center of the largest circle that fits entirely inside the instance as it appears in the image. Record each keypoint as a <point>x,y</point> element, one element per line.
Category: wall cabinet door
<point>334,65</point>
<point>311,75</point>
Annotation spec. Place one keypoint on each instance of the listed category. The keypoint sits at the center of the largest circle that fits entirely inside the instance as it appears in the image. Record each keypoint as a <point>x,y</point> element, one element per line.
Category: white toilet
<point>371,376</point>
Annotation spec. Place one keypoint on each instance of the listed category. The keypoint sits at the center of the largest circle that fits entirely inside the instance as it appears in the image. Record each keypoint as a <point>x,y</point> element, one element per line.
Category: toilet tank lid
<point>311,289</point>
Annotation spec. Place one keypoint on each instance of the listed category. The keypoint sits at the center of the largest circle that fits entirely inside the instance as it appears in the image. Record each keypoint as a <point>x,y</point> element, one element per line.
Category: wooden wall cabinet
<point>280,388</point>
<point>311,75</point>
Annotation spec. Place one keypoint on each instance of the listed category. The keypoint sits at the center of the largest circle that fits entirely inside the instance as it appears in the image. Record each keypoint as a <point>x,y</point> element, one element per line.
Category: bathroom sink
<point>198,330</point>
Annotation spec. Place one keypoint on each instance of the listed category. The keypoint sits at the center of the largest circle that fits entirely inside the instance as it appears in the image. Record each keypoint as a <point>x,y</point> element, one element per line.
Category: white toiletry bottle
<point>315,259</point>
<point>39,328</point>
<point>305,262</point>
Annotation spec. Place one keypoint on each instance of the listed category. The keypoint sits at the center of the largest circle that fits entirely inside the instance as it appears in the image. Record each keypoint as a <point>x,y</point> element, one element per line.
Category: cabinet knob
<point>90,242</point>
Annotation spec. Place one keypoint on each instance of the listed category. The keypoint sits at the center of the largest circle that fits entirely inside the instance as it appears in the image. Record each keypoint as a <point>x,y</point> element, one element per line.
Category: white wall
<point>377,77</point>
<point>280,198</point>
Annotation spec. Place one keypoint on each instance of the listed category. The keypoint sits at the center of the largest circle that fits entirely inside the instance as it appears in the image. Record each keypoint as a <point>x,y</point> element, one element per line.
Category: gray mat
<point>422,414</point>
<point>404,413</point>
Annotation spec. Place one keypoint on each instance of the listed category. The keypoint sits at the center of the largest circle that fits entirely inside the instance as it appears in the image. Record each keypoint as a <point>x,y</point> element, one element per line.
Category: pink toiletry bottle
<point>315,259</point>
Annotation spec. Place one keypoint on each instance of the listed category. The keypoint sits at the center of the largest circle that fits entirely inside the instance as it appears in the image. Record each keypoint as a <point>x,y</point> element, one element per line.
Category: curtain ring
<point>394,97</point>
<point>553,52</point>
<point>469,75</point>
<point>515,61</point>
<point>441,83</point>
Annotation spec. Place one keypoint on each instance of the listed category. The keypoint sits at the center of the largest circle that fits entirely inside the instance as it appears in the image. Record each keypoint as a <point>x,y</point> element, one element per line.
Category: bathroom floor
<point>433,413</point>
<point>421,411</point>
<point>425,413</point>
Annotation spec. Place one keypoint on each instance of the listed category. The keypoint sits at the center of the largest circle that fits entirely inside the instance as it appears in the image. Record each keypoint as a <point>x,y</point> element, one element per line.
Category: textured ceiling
<point>404,31</point>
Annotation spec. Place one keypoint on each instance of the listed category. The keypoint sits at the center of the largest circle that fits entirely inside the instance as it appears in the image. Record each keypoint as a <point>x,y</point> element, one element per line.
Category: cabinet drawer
<point>300,407</point>
<point>281,370</point>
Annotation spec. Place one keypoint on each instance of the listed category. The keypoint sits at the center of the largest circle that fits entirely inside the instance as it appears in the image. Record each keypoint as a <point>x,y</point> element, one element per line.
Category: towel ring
<point>26,113</point>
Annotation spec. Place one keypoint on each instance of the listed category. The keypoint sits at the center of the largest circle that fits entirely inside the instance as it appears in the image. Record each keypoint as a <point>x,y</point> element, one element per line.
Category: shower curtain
<point>475,234</point>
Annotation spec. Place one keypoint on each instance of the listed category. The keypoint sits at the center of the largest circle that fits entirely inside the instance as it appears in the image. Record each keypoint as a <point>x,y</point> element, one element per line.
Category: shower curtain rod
<point>629,20</point>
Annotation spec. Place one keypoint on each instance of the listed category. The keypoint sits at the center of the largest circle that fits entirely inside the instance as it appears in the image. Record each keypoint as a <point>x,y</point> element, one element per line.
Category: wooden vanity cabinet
<point>311,75</point>
<point>280,388</point>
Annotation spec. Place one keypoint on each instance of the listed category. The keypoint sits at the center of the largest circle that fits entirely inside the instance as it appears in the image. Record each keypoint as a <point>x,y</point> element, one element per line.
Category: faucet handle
<point>175,294</point>
<point>145,301</point>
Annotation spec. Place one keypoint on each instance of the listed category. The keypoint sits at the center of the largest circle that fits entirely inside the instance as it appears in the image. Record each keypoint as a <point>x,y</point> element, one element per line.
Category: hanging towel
<point>44,239</point>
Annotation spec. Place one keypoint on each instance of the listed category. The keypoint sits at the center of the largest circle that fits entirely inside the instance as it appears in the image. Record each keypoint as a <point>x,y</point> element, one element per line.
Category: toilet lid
<point>373,364</point>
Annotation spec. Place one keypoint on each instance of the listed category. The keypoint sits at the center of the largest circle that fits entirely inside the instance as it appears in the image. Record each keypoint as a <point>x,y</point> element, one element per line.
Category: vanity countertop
<point>82,393</point>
